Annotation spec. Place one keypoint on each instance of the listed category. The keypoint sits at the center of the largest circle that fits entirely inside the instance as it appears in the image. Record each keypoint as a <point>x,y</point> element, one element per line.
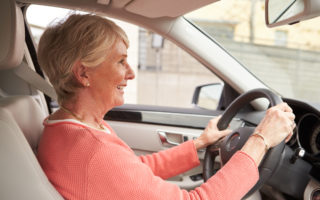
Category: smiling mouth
<point>120,87</point>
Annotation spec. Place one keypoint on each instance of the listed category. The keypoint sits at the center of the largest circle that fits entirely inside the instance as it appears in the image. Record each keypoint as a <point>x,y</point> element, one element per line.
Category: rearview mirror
<point>283,11</point>
<point>280,12</point>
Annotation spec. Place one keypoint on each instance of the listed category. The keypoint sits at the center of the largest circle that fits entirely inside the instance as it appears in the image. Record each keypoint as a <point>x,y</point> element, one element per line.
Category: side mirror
<point>208,96</point>
<point>280,12</point>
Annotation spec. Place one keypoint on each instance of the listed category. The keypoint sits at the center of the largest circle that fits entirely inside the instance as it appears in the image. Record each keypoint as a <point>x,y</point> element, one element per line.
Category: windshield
<point>286,58</point>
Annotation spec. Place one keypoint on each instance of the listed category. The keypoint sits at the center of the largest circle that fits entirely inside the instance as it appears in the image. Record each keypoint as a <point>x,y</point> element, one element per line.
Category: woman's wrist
<point>199,143</point>
<point>255,147</point>
<point>263,138</point>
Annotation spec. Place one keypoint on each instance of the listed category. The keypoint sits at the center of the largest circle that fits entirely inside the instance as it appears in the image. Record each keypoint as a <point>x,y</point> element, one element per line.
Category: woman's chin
<point>119,103</point>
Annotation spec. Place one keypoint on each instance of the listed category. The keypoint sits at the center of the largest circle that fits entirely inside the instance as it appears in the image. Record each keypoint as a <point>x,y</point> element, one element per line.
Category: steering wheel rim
<point>235,140</point>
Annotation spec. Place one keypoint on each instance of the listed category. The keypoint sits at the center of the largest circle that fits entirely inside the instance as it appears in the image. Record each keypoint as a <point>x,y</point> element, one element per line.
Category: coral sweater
<point>85,163</point>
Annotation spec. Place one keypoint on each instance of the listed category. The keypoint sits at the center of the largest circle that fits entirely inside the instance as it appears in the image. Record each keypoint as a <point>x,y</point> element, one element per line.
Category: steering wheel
<point>235,140</point>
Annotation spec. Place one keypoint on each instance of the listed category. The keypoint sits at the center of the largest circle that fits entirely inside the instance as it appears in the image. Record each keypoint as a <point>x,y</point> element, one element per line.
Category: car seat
<point>21,176</point>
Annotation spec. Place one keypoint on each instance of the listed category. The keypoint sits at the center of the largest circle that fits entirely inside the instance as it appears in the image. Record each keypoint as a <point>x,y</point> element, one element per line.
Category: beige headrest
<point>12,34</point>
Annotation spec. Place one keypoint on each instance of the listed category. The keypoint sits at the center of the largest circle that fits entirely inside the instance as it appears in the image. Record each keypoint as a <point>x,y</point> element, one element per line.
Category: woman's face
<point>108,79</point>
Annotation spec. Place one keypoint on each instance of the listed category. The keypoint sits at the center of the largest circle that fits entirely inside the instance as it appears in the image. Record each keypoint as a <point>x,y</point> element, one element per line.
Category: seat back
<point>21,176</point>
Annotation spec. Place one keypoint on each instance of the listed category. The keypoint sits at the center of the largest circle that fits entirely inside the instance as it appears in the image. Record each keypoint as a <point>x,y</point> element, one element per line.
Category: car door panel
<point>151,129</point>
<point>144,139</point>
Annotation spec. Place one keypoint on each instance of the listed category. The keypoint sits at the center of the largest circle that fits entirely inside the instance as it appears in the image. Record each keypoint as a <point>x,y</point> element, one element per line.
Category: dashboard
<point>307,137</point>
<point>307,132</point>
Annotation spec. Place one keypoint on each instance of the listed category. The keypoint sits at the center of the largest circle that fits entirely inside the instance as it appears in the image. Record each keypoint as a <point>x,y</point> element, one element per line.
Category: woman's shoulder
<point>73,129</point>
<point>73,125</point>
<point>67,132</point>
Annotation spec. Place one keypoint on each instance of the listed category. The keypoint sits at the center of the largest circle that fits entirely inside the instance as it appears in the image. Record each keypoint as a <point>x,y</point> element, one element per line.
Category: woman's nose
<point>130,73</point>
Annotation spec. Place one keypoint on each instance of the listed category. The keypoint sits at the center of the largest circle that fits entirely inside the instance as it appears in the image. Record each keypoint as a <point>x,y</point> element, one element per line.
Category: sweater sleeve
<point>232,181</point>
<point>173,161</point>
<point>114,173</point>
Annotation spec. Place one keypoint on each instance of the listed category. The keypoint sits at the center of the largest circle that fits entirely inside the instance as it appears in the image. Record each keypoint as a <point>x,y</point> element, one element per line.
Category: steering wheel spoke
<point>214,163</point>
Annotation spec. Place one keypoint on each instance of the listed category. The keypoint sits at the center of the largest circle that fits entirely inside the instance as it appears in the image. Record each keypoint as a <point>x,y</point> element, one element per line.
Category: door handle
<point>163,136</point>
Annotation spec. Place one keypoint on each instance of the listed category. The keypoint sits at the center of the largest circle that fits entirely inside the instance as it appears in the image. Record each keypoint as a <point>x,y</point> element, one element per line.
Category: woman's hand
<point>211,134</point>
<point>276,126</point>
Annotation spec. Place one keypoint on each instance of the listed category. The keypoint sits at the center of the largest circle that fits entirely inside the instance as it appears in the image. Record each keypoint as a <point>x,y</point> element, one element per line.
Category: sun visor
<point>103,2</point>
<point>12,34</point>
<point>165,8</point>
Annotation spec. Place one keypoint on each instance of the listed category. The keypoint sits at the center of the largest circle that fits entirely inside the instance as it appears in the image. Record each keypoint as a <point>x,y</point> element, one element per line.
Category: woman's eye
<point>122,61</point>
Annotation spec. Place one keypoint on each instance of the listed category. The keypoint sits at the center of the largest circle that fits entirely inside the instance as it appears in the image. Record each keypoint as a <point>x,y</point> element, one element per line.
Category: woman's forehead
<point>119,49</point>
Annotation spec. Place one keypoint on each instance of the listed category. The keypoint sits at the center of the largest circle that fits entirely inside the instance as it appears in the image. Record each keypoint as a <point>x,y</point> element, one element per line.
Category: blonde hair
<point>85,38</point>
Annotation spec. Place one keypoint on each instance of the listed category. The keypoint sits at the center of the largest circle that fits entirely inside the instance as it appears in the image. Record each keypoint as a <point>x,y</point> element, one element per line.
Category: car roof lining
<point>145,8</point>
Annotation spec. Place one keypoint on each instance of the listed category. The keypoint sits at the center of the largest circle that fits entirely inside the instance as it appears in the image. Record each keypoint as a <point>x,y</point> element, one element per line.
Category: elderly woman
<point>85,58</point>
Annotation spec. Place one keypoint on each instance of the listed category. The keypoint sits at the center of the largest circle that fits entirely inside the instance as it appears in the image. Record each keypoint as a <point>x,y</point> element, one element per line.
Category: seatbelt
<point>27,74</point>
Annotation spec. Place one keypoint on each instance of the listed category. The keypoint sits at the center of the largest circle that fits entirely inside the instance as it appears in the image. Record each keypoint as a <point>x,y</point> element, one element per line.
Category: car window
<point>165,74</point>
<point>286,58</point>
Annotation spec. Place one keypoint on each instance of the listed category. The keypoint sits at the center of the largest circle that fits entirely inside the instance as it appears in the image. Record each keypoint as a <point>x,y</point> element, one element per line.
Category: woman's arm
<point>116,173</point>
<point>173,161</point>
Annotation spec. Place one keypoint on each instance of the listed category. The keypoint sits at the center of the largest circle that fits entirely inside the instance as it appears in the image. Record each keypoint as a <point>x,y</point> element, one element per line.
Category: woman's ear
<point>80,72</point>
